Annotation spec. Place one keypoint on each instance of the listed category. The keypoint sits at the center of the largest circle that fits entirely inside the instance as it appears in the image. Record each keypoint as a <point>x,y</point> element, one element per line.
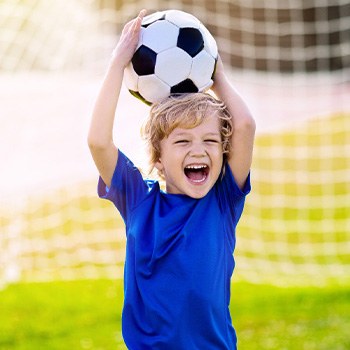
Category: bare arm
<point>100,137</point>
<point>243,126</point>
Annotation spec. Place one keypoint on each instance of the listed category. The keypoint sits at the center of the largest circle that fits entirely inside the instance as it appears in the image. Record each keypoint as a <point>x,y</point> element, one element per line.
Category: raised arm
<point>100,137</point>
<point>243,126</point>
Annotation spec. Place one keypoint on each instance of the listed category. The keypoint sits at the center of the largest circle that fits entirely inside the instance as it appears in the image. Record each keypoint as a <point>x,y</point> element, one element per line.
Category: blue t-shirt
<point>179,261</point>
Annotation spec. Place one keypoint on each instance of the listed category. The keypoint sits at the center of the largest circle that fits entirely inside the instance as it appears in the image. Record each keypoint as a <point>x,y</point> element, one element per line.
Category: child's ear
<point>159,165</point>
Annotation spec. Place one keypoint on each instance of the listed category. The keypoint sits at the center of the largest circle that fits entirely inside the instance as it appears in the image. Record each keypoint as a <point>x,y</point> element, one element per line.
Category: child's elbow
<point>95,143</point>
<point>252,125</point>
<point>91,142</point>
<point>246,124</point>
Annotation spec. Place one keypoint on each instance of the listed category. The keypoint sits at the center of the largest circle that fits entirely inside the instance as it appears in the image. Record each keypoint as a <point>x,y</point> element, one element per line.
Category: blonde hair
<point>185,111</point>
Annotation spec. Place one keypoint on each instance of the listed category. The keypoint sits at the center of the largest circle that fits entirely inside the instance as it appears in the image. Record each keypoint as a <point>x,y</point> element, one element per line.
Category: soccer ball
<point>176,54</point>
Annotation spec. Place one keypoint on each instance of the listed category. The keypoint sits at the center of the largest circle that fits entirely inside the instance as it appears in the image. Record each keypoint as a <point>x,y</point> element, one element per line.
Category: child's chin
<point>199,193</point>
<point>198,189</point>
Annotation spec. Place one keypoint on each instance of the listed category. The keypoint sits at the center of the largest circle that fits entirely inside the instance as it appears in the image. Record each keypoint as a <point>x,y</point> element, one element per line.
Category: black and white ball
<point>176,54</point>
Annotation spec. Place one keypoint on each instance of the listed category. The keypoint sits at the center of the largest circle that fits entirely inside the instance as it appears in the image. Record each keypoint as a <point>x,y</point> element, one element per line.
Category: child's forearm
<point>101,127</point>
<point>238,109</point>
<point>100,137</point>
<point>242,139</point>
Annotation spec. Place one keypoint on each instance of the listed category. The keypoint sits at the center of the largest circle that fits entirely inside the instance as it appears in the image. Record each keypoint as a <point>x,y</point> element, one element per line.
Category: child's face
<point>191,159</point>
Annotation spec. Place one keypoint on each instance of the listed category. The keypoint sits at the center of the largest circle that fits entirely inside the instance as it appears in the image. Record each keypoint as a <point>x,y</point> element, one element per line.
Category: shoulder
<point>228,187</point>
<point>128,188</point>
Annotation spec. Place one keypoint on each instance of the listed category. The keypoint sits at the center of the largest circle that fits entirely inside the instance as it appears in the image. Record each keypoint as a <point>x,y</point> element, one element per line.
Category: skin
<point>105,152</point>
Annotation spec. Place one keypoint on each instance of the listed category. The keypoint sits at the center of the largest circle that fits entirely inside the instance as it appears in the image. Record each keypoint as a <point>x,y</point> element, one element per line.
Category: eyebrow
<point>213,134</point>
<point>184,133</point>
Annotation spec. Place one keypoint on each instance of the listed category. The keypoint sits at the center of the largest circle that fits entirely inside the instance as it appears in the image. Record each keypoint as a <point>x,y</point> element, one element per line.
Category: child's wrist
<point>115,68</point>
<point>117,58</point>
<point>116,61</point>
<point>220,82</point>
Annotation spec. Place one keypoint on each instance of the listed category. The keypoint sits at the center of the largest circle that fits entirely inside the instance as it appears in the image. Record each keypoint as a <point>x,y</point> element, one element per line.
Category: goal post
<point>291,61</point>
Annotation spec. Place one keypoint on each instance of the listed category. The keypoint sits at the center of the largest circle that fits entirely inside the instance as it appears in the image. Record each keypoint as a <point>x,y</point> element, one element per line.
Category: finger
<point>137,24</point>
<point>134,25</point>
<point>128,26</point>
<point>142,13</point>
<point>139,18</point>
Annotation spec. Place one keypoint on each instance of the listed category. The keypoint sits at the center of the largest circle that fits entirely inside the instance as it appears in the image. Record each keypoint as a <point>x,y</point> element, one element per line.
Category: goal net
<point>291,61</point>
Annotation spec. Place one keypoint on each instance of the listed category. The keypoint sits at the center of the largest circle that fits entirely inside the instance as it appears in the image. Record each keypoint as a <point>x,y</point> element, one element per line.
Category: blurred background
<point>62,249</point>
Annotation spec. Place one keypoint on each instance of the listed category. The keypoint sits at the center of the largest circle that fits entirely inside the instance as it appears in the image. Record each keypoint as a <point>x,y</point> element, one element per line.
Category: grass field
<point>86,315</point>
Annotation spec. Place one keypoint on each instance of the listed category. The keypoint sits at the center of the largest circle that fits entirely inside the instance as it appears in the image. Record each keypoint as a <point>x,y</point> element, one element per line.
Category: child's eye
<point>181,141</point>
<point>211,141</point>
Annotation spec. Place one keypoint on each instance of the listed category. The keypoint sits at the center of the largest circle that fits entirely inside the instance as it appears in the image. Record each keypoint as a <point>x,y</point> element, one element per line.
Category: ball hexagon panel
<point>182,19</point>
<point>173,66</point>
<point>190,40</point>
<point>153,89</point>
<point>156,42</point>
<point>202,69</point>
<point>131,77</point>
<point>143,30</point>
<point>156,16</point>
<point>209,41</point>
<point>144,60</point>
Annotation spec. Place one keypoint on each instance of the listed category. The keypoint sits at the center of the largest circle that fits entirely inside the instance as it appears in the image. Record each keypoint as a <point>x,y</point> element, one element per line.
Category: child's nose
<point>197,150</point>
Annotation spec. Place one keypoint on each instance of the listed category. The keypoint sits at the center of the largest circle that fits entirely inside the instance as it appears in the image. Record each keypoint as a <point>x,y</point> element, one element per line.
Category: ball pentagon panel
<point>190,40</point>
<point>186,85</point>
<point>144,60</point>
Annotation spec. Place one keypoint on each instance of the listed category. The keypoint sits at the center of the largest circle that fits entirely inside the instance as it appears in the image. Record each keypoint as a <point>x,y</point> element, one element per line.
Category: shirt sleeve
<point>230,195</point>
<point>127,187</point>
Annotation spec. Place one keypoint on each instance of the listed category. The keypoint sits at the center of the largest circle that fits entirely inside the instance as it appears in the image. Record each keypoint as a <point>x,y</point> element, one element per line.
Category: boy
<point>180,242</point>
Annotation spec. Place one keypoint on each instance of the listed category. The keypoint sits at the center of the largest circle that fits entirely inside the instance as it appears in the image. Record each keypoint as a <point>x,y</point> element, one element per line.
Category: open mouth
<point>197,173</point>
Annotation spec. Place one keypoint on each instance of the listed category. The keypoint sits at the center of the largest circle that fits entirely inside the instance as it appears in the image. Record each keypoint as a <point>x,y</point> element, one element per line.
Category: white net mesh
<point>297,220</point>
<point>290,59</point>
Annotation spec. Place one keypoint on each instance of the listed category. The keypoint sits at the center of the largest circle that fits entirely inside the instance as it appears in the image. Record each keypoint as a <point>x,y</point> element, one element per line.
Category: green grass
<point>61,315</point>
<point>86,315</point>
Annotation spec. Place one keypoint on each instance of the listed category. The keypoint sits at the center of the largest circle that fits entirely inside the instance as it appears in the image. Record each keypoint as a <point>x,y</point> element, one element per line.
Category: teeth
<point>196,167</point>
<point>199,181</point>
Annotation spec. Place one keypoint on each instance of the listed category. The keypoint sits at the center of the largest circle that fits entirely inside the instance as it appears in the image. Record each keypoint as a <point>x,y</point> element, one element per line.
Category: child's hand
<point>128,40</point>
